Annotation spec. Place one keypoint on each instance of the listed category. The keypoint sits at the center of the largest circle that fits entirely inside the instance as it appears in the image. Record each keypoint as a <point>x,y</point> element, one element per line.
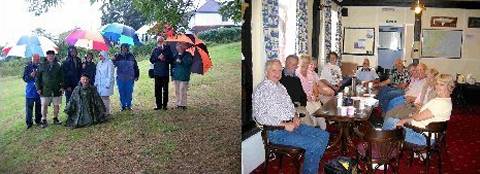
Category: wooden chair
<point>436,131</point>
<point>382,147</point>
<point>274,150</point>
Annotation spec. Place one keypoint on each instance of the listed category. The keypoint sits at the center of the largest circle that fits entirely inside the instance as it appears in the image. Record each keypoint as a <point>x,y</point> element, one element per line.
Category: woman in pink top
<point>311,83</point>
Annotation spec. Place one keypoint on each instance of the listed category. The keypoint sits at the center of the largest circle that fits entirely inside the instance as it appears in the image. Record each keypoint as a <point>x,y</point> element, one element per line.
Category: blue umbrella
<point>120,33</point>
<point>28,45</point>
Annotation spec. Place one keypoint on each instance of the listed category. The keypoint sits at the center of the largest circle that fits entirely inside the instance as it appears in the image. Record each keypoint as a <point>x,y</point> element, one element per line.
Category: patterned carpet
<point>463,149</point>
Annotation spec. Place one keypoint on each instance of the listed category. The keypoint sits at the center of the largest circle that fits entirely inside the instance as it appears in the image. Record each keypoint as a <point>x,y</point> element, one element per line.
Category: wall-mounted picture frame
<point>474,22</point>
<point>358,41</point>
<point>443,21</point>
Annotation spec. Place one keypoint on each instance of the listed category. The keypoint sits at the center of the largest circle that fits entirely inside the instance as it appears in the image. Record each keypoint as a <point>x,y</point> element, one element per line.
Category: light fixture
<point>418,7</point>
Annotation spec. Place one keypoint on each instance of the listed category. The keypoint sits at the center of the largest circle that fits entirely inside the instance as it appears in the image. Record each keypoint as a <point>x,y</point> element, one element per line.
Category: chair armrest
<point>268,127</point>
<point>416,129</point>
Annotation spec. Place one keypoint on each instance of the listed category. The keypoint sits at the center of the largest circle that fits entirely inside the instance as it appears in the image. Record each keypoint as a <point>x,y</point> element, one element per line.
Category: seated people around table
<point>294,87</point>
<point>366,73</point>
<point>394,86</point>
<point>436,110</point>
<point>427,93</point>
<point>85,106</point>
<point>414,89</point>
<point>309,80</point>
<point>272,106</point>
<point>331,75</point>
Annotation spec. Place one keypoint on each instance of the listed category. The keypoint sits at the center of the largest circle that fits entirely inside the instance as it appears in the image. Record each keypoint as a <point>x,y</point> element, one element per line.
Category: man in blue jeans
<point>127,73</point>
<point>272,106</point>
<point>395,85</point>
<point>31,96</point>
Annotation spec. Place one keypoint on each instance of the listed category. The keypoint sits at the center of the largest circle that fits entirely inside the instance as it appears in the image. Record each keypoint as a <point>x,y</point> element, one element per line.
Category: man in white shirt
<point>366,73</point>
<point>272,106</point>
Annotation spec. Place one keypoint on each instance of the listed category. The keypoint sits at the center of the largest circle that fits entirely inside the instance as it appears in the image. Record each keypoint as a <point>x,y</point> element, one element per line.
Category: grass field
<point>203,139</point>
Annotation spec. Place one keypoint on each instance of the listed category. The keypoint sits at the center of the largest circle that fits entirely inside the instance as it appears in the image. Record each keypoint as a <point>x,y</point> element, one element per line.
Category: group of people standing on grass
<point>88,86</point>
<point>415,95</point>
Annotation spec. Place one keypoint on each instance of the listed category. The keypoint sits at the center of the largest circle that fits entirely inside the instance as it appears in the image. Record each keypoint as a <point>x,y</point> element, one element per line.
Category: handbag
<point>341,165</point>
<point>150,71</point>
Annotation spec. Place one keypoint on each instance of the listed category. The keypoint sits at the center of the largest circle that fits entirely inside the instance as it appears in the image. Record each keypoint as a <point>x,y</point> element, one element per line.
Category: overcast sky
<point>15,20</point>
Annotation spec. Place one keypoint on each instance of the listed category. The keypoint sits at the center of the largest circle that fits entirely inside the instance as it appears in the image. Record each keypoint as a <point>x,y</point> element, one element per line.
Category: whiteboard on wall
<point>359,41</point>
<point>442,43</point>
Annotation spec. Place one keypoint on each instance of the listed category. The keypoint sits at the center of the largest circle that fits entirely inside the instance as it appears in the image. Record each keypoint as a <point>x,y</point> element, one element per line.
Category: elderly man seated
<point>272,106</point>
<point>366,73</point>
<point>395,85</point>
<point>414,89</point>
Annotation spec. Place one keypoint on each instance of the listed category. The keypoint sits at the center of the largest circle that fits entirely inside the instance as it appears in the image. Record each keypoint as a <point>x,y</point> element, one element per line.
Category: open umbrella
<point>86,39</point>
<point>201,58</point>
<point>120,33</point>
<point>28,45</point>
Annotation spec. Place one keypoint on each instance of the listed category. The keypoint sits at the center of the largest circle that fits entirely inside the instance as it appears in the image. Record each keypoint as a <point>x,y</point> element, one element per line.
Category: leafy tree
<point>122,11</point>
<point>231,9</point>
<point>174,12</point>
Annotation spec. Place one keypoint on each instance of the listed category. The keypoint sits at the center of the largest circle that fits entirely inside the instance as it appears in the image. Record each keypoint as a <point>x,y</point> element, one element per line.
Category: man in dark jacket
<point>31,96</point>
<point>161,58</point>
<point>89,67</point>
<point>127,74</point>
<point>72,68</point>
<point>292,83</point>
<point>49,82</point>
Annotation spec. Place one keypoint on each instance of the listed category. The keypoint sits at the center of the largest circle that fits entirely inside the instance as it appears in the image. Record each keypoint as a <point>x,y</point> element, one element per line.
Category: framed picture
<point>358,41</point>
<point>474,22</point>
<point>443,21</point>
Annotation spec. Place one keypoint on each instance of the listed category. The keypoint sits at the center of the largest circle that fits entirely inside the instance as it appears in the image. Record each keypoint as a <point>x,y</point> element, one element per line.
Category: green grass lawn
<point>203,139</point>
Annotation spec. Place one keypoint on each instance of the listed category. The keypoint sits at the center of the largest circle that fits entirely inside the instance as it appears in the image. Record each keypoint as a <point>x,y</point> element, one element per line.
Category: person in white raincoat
<point>104,79</point>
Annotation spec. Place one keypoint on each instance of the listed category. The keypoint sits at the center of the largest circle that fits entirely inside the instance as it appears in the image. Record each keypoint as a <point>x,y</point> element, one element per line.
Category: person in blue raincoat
<point>127,74</point>
<point>104,79</point>
<point>32,98</point>
<point>181,71</point>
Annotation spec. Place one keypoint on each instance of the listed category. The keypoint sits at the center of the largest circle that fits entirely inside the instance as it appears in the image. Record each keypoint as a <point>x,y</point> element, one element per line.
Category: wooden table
<point>330,112</point>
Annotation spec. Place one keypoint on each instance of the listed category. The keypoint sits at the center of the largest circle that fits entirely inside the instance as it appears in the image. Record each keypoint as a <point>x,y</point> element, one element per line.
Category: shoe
<point>129,108</point>
<point>29,126</point>
<point>123,108</point>
<point>165,108</point>
<point>56,121</point>
<point>157,108</point>
<point>44,124</point>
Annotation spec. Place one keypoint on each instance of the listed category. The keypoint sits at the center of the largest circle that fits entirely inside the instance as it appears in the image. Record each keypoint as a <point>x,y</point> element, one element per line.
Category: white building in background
<point>143,36</point>
<point>208,16</point>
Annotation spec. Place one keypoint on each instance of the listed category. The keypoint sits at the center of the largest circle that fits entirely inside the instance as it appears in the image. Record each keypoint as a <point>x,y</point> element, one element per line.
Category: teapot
<point>470,79</point>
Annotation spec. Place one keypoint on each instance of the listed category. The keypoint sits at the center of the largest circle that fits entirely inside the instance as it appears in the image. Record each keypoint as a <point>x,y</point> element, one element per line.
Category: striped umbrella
<point>28,45</point>
<point>120,33</point>
<point>86,39</point>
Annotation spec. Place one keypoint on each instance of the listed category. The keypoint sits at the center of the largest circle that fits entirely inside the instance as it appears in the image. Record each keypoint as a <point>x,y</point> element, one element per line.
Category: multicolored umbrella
<point>86,39</point>
<point>201,59</point>
<point>28,45</point>
<point>120,33</point>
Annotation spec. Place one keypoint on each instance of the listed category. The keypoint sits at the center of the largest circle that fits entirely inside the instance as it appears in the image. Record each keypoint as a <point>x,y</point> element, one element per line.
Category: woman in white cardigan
<point>104,79</point>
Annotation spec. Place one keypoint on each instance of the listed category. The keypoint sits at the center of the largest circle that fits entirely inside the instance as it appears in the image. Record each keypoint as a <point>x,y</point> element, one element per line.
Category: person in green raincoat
<point>85,106</point>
